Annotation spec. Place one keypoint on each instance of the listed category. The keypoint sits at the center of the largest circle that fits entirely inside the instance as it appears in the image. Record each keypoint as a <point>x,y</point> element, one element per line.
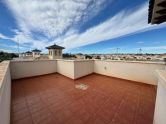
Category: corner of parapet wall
<point>5,93</point>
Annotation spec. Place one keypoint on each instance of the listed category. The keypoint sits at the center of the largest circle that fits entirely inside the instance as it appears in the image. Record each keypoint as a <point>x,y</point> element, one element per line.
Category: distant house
<point>55,51</point>
<point>80,56</point>
<point>163,56</point>
<point>21,55</point>
<point>28,53</point>
<point>36,53</point>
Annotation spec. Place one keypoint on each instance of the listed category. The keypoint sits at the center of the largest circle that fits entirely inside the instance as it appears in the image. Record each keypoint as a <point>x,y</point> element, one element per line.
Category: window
<point>50,52</point>
<point>59,52</point>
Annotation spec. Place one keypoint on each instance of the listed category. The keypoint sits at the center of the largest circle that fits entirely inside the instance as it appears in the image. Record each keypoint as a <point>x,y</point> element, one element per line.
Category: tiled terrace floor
<point>53,99</point>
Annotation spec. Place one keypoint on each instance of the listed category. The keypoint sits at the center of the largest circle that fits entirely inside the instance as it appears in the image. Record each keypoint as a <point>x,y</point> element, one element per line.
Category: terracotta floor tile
<point>36,107</point>
<point>63,115</point>
<point>20,114</point>
<point>26,120</point>
<point>53,99</point>
<point>19,106</point>
<point>42,115</point>
<point>74,120</point>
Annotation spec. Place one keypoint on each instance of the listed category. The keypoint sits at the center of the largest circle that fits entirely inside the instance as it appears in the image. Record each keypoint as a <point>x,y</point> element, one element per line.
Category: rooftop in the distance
<point>36,50</point>
<point>55,47</point>
<point>28,52</point>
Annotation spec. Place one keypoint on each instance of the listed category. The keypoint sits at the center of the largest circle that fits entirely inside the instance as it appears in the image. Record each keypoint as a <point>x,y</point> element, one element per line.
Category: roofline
<point>58,47</point>
<point>55,48</point>
<point>36,50</point>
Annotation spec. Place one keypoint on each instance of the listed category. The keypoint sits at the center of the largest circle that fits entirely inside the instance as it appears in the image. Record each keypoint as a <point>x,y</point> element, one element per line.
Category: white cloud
<point>122,24</point>
<point>54,17</point>
<point>150,48</point>
<point>3,36</point>
<point>50,18</point>
<point>6,50</point>
<point>22,39</point>
<point>7,46</point>
<point>140,42</point>
<point>156,42</point>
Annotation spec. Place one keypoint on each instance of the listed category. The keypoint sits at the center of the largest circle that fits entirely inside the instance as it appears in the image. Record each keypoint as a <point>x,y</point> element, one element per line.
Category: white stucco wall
<point>160,106</point>
<point>66,67</point>
<point>83,68</point>
<point>54,54</point>
<point>5,93</point>
<point>135,71</point>
<point>22,69</point>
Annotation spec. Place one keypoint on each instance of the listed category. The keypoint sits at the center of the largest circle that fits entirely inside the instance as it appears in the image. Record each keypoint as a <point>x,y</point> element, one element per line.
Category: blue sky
<point>86,26</point>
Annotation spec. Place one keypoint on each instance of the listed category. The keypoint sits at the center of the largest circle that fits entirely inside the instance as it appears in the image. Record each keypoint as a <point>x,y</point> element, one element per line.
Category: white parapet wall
<point>5,93</point>
<point>135,71</point>
<point>65,67</point>
<point>160,106</point>
<point>83,68</point>
<point>75,68</point>
<point>23,69</point>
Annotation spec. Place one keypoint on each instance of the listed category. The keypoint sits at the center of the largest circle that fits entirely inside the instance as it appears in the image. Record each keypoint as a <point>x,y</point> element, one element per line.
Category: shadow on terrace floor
<point>53,99</point>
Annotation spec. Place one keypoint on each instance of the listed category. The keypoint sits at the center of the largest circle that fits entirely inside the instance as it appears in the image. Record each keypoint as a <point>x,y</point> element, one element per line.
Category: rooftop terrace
<point>82,92</point>
<point>54,99</point>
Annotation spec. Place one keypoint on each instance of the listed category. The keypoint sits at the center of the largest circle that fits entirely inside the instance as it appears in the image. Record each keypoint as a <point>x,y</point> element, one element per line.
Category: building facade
<point>55,52</point>
<point>36,53</point>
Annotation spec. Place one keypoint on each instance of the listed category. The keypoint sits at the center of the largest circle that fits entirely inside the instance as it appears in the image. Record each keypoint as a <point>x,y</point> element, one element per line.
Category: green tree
<point>88,57</point>
<point>7,56</point>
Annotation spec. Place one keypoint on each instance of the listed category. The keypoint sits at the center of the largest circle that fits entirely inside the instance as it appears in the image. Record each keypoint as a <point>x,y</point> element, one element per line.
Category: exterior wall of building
<point>160,106</point>
<point>36,54</point>
<point>50,52</point>
<point>55,54</point>
<point>83,68</point>
<point>66,67</point>
<point>135,71</point>
<point>5,93</point>
<point>22,69</point>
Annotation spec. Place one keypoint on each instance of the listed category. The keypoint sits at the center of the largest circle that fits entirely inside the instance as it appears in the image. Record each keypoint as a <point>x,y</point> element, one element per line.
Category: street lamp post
<point>18,43</point>
<point>117,50</point>
<point>140,51</point>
